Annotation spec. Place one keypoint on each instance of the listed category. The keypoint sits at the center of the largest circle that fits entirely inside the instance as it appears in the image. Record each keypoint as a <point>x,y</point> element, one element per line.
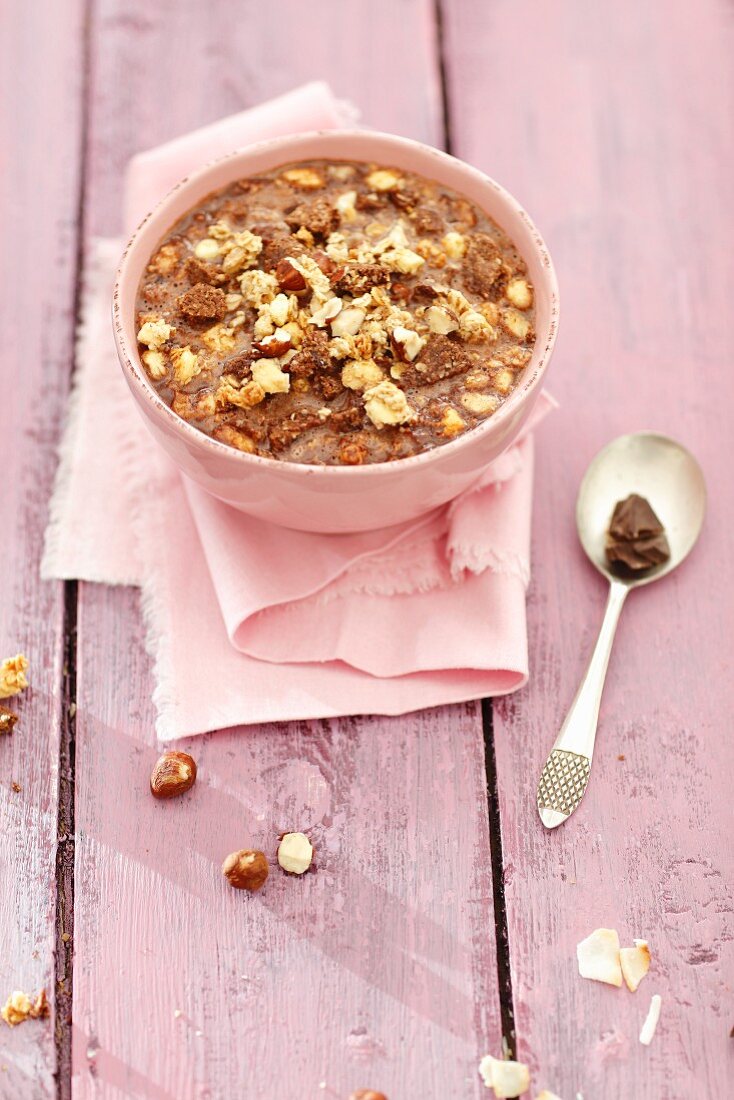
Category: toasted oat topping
<point>335,313</point>
<point>13,676</point>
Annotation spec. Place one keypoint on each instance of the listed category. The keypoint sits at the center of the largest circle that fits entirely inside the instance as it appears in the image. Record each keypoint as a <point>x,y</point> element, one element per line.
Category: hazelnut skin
<point>246,869</point>
<point>174,773</point>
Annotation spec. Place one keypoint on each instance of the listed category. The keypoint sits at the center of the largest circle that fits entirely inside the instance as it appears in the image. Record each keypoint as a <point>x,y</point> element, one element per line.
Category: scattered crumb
<point>621,756</point>
<point>19,1007</point>
<point>66,936</point>
<point>651,1020</point>
<point>7,719</point>
<point>177,1013</point>
<point>635,963</point>
<point>72,709</point>
<point>507,1078</point>
<point>17,787</point>
<point>13,675</point>
<point>598,957</point>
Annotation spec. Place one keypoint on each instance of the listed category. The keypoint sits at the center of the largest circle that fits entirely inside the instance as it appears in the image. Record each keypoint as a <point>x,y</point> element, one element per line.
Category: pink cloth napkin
<point>247,622</point>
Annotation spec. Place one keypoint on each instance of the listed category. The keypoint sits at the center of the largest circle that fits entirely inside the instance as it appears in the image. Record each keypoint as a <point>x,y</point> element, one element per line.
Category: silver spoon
<point>669,477</point>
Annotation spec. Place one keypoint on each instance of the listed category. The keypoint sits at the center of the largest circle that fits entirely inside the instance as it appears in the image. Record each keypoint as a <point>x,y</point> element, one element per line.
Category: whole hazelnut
<point>367,1094</point>
<point>174,773</point>
<point>245,870</point>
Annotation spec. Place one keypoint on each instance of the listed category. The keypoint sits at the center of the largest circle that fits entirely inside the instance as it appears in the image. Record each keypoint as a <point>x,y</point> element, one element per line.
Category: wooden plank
<point>614,127</point>
<point>379,969</point>
<point>41,68</point>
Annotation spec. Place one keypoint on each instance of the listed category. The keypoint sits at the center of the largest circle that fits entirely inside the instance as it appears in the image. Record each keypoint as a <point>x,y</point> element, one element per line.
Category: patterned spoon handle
<point>566,773</point>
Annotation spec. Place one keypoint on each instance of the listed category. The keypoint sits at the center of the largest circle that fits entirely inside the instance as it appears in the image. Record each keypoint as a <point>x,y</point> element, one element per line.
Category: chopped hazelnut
<point>516,323</point>
<point>454,245</point>
<point>491,311</point>
<point>451,423</point>
<point>307,179</point>
<point>326,313</point>
<point>289,277</point>
<point>348,322</point>
<point>441,320</point>
<point>295,853</point>
<point>207,249</point>
<point>274,345</point>
<point>174,773</point>
<point>341,172</point>
<point>407,344</point>
<point>13,675</point>
<point>345,206</point>
<point>383,179</point>
<point>481,404</point>
<point>225,433</point>
<point>367,1094</point>
<point>503,381</point>
<point>477,379</point>
<point>246,869</point>
<point>520,293</point>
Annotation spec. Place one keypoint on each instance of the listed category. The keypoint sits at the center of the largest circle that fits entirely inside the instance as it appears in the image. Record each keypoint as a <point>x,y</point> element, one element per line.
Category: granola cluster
<point>335,313</point>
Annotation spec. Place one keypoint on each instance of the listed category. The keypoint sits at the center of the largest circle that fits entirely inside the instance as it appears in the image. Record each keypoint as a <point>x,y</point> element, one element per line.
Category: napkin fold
<point>247,622</point>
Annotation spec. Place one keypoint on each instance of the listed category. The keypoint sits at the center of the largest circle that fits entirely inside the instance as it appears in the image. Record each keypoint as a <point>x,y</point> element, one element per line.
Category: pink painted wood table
<point>443,917</point>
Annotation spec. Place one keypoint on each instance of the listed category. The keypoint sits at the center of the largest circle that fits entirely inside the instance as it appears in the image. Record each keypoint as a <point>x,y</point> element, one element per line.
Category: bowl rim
<point>134,371</point>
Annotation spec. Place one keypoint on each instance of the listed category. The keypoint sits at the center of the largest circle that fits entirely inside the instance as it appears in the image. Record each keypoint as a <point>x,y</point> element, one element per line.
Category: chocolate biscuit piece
<point>202,303</point>
<point>441,358</point>
<point>312,356</point>
<point>484,271</point>
<point>283,434</point>
<point>357,279</point>
<point>196,271</point>
<point>319,217</point>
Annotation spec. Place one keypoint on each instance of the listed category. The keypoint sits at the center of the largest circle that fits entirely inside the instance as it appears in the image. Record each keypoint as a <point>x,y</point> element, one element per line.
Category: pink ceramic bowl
<point>336,498</point>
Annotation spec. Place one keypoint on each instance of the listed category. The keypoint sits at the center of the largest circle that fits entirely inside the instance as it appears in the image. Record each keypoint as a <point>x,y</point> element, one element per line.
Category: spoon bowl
<point>657,468</point>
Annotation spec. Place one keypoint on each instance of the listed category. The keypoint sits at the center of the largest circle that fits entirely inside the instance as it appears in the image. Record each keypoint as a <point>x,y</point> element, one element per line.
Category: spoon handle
<point>567,769</point>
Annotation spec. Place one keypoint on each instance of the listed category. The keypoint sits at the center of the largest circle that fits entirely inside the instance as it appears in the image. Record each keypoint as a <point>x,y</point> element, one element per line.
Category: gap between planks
<point>65,824</point>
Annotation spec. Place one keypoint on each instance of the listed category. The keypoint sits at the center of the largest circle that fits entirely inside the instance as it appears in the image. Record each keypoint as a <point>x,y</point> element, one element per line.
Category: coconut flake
<point>651,1020</point>
<point>635,963</point>
<point>507,1078</point>
<point>598,957</point>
